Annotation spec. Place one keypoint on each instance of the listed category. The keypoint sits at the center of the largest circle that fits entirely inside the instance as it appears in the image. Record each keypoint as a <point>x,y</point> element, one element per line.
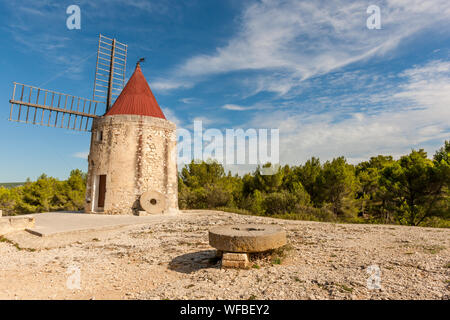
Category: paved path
<point>56,223</point>
<point>58,229</point>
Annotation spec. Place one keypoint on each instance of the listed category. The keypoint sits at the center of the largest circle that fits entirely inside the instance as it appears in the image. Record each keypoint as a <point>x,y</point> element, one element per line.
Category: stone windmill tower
<point>132,159</point>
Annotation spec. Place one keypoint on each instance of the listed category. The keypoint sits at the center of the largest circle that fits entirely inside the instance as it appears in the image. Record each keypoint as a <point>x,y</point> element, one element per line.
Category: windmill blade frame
<point>43,107</point>
<point>59,110</point>
<point>109,70</point>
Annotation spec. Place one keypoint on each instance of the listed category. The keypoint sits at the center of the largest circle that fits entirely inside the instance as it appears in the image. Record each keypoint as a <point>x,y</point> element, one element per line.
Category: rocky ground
<point>172,260</point>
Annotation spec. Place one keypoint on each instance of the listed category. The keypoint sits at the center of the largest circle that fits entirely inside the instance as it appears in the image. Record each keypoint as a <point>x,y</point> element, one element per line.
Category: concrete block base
<point>235,260</point>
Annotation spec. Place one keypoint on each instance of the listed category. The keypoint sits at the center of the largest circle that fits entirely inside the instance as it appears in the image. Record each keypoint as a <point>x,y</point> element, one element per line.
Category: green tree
<point>442,165</point>
<point>205,185</point>
<point>443,154</point>
<point>74,190</point>
<point>371,200</point>
<point>338,184</point>
<point>267,182</point>
<point>45,194</point>
<point>196,175</point>
<point>279,202</point>
<point>9,199</point>
<point>40,196</point>
<point>416,188</point>
<point>308,175</point>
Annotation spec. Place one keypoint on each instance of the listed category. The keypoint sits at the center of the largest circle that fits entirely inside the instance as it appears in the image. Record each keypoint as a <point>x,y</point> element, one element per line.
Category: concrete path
<point>59,229</point>
<point>57,223</point>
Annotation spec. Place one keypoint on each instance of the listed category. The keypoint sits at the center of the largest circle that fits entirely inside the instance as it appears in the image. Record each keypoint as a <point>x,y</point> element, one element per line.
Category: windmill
<point>30,104</point>
<point>132,167</point>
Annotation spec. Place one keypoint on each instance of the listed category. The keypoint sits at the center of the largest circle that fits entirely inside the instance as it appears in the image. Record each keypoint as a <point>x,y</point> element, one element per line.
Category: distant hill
<point>10,185</point>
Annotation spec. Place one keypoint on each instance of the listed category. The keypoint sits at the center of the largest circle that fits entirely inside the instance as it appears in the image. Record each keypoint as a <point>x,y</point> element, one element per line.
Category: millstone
<point>247,237</point>
<point>153,202</point>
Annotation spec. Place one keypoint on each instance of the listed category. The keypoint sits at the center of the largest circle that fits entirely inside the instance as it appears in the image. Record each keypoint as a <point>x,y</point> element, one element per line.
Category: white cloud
<point>235,107</point>
<point>206,121</point>
<point>170,115</point>
<point>303,38</point>
<point>81,155</point>
<point>419,118</point>
<point>190,100</point>
<point>165,85</point>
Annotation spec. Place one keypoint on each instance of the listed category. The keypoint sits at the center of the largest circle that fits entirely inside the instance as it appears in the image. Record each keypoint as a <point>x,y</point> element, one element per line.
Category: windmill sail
<point>50,108</point>
<point>110,70</point>
<point>43,107</point>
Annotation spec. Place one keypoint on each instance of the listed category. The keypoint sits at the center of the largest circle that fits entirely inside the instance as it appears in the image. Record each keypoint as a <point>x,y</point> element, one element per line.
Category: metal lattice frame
<point>110,70</point>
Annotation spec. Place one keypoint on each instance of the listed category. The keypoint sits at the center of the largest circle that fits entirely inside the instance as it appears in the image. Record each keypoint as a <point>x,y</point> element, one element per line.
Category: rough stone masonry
<point>132,155</point>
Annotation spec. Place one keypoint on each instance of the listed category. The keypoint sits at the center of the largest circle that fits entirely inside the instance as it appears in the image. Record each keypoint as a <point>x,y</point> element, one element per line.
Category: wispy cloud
<point>190,100</point>
<point>170,115</point>
<point>81,155</point>
<point>234,107</point>
<point>294,40</point>
<point>31,10</point>
<point>418,118</point>
<point>165,85</point>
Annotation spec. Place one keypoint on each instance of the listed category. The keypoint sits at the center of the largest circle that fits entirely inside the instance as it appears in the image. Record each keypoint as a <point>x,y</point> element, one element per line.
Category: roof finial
<point>139,62</point>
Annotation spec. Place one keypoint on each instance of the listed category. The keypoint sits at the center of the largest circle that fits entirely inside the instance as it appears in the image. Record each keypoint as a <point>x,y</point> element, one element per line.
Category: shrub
<point>279,202</point>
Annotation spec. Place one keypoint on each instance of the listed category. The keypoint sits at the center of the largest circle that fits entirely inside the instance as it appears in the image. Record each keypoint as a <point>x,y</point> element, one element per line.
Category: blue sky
<point>310,68</point>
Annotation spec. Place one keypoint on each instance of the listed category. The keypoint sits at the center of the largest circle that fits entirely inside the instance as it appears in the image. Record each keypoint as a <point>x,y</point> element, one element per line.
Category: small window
<point>99,136</point>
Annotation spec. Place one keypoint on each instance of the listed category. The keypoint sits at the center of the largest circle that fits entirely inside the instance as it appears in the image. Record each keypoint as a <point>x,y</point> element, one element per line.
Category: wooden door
<point>101,191</point>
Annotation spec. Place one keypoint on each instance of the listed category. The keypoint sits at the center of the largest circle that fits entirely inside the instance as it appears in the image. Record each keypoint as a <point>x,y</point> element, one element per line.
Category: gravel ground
<point>172,260</point>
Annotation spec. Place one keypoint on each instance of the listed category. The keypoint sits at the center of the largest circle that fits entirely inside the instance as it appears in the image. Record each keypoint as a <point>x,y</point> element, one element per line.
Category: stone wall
<point>13,224</point>
<point>137,154</point>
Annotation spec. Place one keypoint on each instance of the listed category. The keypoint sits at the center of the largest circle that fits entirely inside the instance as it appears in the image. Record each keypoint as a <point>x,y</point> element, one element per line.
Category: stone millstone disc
<point>247,237</point>
<point>153,202</point>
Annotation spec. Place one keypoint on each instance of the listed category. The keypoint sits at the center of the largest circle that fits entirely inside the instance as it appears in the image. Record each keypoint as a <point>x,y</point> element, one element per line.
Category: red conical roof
<point>136,98</point>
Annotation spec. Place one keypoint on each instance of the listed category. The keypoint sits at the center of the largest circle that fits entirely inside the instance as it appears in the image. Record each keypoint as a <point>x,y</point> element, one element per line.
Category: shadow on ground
<point>194,261</point>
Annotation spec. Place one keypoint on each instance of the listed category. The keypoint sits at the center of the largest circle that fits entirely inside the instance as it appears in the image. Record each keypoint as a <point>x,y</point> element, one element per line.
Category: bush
<point>192,198</point>
<point>310,214</point>
<point>8,200</point>
<point>45,194</point>
<point>217,196</point>
<point>279,202</point>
